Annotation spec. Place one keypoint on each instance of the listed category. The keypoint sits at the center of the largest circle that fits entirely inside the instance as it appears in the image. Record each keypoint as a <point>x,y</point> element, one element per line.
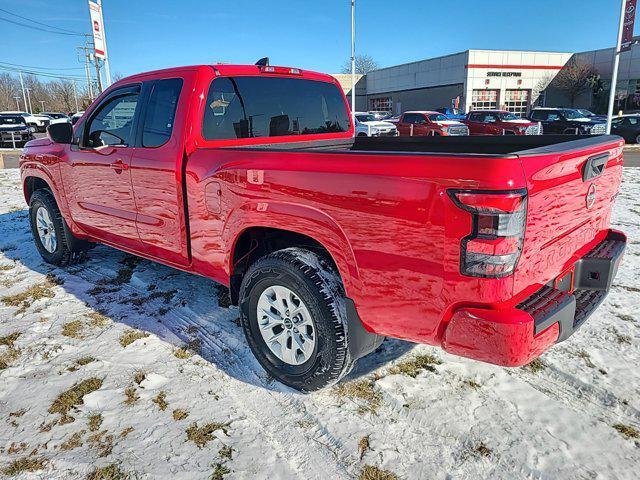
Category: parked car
<point>568,121</point>
<point>367,126</point>
<point>328,242</point>
<point>452,113</point>
<point>14,130</point>
<point>500,122</point>
<point>57,117</point>
<point>379,115</point>
<point>628,127</point>
<point>419,123</point>
<point>40,123</point>
<point>76,116</point>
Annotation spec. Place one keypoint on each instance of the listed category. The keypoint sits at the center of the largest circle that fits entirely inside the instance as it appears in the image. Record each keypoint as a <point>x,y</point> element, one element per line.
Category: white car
<point>56,117</point>
<point>39,122</point>
<point>367,126</point>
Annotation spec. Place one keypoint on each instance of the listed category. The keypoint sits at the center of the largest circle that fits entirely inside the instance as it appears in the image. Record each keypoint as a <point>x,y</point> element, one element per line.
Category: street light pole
<point>17,97</point>
<point>29,98</point>
<point>616,63</point>
<point>353,55</point>
<point>75,95</point>
<point>24,94</point>
<point>42,104</point>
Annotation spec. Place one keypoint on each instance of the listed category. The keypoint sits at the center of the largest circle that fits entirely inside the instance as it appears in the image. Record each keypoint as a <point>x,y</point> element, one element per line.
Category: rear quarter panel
<point>385,218</point>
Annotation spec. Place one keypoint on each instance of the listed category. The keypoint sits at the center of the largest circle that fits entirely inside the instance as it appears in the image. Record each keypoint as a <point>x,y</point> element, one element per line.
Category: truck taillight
<point>493,247</point>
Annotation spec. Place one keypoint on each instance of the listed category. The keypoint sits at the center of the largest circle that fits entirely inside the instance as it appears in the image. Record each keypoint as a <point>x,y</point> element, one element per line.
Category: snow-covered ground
<point>154,410</point>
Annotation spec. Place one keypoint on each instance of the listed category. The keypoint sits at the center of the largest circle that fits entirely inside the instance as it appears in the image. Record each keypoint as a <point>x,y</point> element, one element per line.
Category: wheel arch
<point>259,230</point>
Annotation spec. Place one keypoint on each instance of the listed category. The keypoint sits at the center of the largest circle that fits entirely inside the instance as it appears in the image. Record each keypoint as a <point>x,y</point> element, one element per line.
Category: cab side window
<point>113,124</point>
<point>161,112</point>
<point>539,116</point>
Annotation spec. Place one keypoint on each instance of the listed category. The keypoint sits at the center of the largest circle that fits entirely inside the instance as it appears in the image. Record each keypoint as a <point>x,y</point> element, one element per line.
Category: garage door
<point>517,101</point>
<point>484,100</point>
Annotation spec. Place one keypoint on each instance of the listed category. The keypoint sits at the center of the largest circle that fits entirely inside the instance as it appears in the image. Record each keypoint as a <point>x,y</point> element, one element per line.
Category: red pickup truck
<point>429,123</point>
<point>500,122</point>
<point>493,248</point>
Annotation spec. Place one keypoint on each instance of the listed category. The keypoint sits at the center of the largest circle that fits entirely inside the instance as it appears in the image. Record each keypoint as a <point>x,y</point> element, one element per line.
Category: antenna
<point>263,62</point>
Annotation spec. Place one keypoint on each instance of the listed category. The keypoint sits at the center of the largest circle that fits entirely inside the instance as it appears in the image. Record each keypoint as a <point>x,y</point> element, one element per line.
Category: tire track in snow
<point>579,396</point>
<point>318,455</point>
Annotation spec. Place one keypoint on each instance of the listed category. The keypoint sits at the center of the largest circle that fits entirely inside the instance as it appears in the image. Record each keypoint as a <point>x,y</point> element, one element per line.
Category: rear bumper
<point>515,336</point>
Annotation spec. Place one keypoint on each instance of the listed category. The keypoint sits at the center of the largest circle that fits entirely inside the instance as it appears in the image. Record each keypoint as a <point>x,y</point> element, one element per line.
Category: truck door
<point>403,125</point>
<point>96,173</point>
<point>156,172</point>
<point>476,127</point>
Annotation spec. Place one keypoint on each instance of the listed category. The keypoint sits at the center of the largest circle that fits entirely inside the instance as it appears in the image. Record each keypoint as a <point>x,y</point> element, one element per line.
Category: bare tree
<point>541,86</point>
<point>9,89</point>
<point>574,79</point>
<point>63,93</point>
<point>364,64</point>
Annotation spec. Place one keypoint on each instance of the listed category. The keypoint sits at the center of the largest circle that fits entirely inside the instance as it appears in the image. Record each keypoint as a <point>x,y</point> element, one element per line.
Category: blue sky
<point>311,34</point>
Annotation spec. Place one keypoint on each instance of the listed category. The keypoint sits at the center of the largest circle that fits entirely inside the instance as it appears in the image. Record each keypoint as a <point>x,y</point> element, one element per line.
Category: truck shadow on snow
<point>187,311</point>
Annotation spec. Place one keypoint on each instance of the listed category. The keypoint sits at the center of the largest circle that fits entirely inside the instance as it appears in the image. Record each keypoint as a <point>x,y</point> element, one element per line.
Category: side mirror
<point>60,132</point>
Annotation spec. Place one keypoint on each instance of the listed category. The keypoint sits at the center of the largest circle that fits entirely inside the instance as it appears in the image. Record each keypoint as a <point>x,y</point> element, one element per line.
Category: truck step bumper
<point>515,336</point>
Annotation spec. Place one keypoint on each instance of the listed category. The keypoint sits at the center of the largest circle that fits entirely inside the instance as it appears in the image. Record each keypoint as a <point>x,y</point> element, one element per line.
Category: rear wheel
<point>638,139</point>
<point>53,238</point>
<point>294,319</point>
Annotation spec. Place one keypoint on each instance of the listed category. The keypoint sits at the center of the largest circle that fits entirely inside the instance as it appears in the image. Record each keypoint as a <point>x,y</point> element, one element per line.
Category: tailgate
<point>571,190</point>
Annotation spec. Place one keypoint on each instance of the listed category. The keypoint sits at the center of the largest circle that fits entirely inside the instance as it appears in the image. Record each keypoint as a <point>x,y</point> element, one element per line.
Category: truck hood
<point>379,124</point>
<point>519,120</point>
<point>449,122</point>
<point>13,128</point>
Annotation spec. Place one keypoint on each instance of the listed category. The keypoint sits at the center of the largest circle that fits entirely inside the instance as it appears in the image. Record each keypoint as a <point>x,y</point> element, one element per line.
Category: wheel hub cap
<point>286,325</point>
<point>46,230</point>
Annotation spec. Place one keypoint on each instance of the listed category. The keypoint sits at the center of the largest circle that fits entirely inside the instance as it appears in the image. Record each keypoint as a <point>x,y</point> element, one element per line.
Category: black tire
<point>637,140</point>
<point>320,288</point>
<point>69,249</point>
<point>362,134</point>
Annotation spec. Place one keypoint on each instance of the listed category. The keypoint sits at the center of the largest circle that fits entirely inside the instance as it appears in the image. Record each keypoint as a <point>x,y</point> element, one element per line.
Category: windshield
<point>366,118</point>
<point>14,120</point>
<point>506,116</point>
<point>572,114</point>
<point>586,113</point>
<point>438,118</point>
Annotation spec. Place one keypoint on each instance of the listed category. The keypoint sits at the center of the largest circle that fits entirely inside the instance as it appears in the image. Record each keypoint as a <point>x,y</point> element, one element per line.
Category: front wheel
<point>53,238</point>
<point>294,317</point>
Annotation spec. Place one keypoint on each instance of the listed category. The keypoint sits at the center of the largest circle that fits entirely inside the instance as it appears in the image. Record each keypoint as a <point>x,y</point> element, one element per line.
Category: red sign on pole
<point>627,28</point>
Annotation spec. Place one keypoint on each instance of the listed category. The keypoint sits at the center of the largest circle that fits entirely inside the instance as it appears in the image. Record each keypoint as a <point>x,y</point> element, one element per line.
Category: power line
<point>39,23</point>
<point>38,68</point>
<point>41,29</point>
<point>40,74</point>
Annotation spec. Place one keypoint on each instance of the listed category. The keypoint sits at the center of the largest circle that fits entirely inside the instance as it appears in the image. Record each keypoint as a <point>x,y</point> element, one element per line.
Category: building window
<point>383,104</point>
<point>484,100</point>
<point>517,101</point>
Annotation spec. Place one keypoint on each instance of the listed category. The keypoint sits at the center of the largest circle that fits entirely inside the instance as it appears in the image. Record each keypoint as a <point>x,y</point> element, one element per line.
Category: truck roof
<point>226,70</point>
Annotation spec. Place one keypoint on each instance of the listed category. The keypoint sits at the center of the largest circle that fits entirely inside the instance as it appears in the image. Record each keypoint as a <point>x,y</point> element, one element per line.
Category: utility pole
<point>17,97</point>
<point>616,63</point>
<point>97,64</point>
<point>85,54</point>
<point>42,105</point>
<point>24,94</point>
<point>353,56</point>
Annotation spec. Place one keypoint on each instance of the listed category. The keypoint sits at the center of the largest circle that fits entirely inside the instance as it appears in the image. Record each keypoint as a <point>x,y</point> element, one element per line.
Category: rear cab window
<point>258,107</point>
<point>161,111</point>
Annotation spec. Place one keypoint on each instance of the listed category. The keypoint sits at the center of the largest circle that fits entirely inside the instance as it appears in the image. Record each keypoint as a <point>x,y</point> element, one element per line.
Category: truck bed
<point>504,146</point>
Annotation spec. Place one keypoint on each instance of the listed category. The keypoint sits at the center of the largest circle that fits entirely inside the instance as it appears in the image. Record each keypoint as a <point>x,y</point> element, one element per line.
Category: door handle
<point>119,165</point>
